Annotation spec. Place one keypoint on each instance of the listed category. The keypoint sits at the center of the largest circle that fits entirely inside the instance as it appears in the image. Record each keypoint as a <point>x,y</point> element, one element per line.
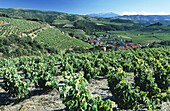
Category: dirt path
<point>12,30</point>
<point>35,33</point>
<point>125,37</point>
<point>51,101</point>
<point>4,33</point>
<point>36,101</point>
<point>2,24</point>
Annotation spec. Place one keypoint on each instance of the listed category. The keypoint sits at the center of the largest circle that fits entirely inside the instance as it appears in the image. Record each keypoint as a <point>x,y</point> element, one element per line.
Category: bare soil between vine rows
<point>51,101</point>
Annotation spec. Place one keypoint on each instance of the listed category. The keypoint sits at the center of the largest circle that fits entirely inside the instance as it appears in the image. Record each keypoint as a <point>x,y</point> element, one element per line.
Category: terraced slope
<point>21,34</point>
<point>19,27</point>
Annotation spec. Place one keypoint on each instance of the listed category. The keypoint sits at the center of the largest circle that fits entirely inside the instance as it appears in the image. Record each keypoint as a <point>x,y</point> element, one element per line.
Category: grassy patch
<point>143,37</point>
<point>57,22</point>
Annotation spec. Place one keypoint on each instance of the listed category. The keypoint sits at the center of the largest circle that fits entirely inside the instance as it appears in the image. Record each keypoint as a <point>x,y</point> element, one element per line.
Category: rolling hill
<point>54,37</point>
<point>20,37</point>
<point>156,32</point>
<point>71,21</point>
<point>50,31</point>
<point>20,27</point>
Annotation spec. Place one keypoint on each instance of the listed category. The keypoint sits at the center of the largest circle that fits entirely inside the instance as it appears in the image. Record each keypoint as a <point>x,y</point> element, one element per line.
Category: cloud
<point>144,13</point>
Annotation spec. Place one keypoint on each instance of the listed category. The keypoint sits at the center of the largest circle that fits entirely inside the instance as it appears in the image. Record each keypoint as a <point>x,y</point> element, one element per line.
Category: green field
<point>57,22</point>
<point>114,23</point>
<point>146,34</point>
<point>78,33</point>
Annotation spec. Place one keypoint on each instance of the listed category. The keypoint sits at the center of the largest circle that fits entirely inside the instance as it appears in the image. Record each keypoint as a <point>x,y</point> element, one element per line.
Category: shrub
<point>78,98</point>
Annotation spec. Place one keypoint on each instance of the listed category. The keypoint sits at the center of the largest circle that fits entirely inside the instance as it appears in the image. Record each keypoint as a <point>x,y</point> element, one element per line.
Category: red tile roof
<point>134,46</point>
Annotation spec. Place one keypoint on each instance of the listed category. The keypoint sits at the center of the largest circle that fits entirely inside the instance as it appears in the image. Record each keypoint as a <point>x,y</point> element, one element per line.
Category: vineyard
<point>54,37</point>
<point>19,27</point>
<point>30,37</point>
<point>148,88</point>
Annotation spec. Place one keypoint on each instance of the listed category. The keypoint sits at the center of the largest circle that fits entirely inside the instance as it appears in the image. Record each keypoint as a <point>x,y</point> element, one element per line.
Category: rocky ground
<point>39,101</point>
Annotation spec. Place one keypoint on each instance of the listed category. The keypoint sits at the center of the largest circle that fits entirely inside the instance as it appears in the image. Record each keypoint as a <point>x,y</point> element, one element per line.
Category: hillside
<point>60,31</point>
<point>63,21</point>
<point>20,27</point>
<point>18,37</point>
<point>46,16</point>
<point>54,37</point>
<point>152,33</point>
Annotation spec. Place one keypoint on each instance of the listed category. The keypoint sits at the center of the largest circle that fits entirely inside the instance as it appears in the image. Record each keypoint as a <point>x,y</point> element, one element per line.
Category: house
<point>116,44</point>
<point>134,46</point>
<point>121,47</point>
<point>91,41</point>
<point>102,43</point>
<point>96,42</point>
<point>127,47</point>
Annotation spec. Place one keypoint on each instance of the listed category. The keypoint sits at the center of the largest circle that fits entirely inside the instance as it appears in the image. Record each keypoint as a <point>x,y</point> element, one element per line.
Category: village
<point>114,43</point>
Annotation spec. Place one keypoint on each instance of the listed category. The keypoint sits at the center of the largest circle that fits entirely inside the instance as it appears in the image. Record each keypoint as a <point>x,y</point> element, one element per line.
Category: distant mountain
<point>146,17</point>
<point>108,15</point>
<point>165,19</point>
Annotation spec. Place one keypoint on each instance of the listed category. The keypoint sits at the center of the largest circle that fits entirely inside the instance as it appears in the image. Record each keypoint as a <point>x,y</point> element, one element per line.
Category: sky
<point>122,7</point>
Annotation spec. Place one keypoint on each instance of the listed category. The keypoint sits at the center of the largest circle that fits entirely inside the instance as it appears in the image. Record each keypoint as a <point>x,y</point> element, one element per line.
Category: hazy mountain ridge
<point>108,15</point>
<point>165,19</point>
<point>146,17</point>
